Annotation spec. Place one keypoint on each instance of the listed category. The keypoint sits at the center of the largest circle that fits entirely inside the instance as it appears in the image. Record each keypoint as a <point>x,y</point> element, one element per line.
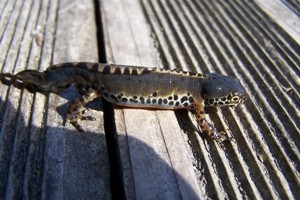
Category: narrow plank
<point>15,127</point>
<point>39,157</point>
<point>123,49</point>
<point>76,164</point>
<point>151,145</point>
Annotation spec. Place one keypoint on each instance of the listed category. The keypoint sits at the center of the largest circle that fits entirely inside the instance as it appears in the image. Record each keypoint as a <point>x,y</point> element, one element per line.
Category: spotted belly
<point>153,100</point>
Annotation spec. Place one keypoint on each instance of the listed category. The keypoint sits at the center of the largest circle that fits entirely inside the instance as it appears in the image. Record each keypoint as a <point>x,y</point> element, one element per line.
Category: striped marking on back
<point>180,73</point>
<point>123,69</point>
<point>114,69</point>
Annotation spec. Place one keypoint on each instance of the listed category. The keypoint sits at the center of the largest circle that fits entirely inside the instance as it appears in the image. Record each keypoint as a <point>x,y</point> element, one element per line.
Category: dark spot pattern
<point>159,101</point>
<point>183,99</point>
<point>229,100</point>
<point>117,70</point>
<point>126,71</point>
<point>144,71</point>
<point>151,99</point>
<point>185,104</point>
<point>113,97</point>
<point>201,120</point>
<point>142,99</point>
<point>133,100</point>
<point>106,69</point>
<point>134,72</point>
<point>75,109</point>
<point>95,67</point>
<point>105,94</point>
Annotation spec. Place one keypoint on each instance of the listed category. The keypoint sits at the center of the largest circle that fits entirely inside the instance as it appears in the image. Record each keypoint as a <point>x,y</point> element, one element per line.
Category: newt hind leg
<point>77,110</point>
<point>205,126</point>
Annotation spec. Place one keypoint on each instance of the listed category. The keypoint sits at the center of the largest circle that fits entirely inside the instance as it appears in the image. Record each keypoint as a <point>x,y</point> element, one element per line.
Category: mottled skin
<point>134,87</point>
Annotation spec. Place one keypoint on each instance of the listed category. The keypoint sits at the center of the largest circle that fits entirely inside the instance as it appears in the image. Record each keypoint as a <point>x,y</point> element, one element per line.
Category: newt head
<point>220,90</point>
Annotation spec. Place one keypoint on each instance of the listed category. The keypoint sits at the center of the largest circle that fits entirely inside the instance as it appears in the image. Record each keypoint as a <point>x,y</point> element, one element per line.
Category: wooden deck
<point>148,154</point>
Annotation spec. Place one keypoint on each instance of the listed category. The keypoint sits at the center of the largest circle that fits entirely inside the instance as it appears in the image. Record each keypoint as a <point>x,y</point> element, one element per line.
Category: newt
<point>132,86</point>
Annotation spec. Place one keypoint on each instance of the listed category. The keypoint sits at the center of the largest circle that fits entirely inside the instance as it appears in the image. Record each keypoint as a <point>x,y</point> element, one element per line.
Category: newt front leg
<point>76,108</point>
<point>205,126</point>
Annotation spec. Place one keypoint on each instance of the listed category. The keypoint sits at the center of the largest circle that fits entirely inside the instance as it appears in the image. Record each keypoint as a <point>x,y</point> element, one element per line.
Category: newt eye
<point>235,99</point>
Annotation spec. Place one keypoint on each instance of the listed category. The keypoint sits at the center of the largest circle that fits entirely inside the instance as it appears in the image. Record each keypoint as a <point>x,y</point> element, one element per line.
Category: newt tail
<point>131,86</point>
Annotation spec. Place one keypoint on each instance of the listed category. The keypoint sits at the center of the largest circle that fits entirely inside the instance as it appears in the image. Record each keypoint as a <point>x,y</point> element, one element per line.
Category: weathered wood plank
<point>41,158</point>
<point>154,139</point>
<point>288,20</point>
<point>15,134</point>
<point>238,38</point>
<point>70,156</point>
